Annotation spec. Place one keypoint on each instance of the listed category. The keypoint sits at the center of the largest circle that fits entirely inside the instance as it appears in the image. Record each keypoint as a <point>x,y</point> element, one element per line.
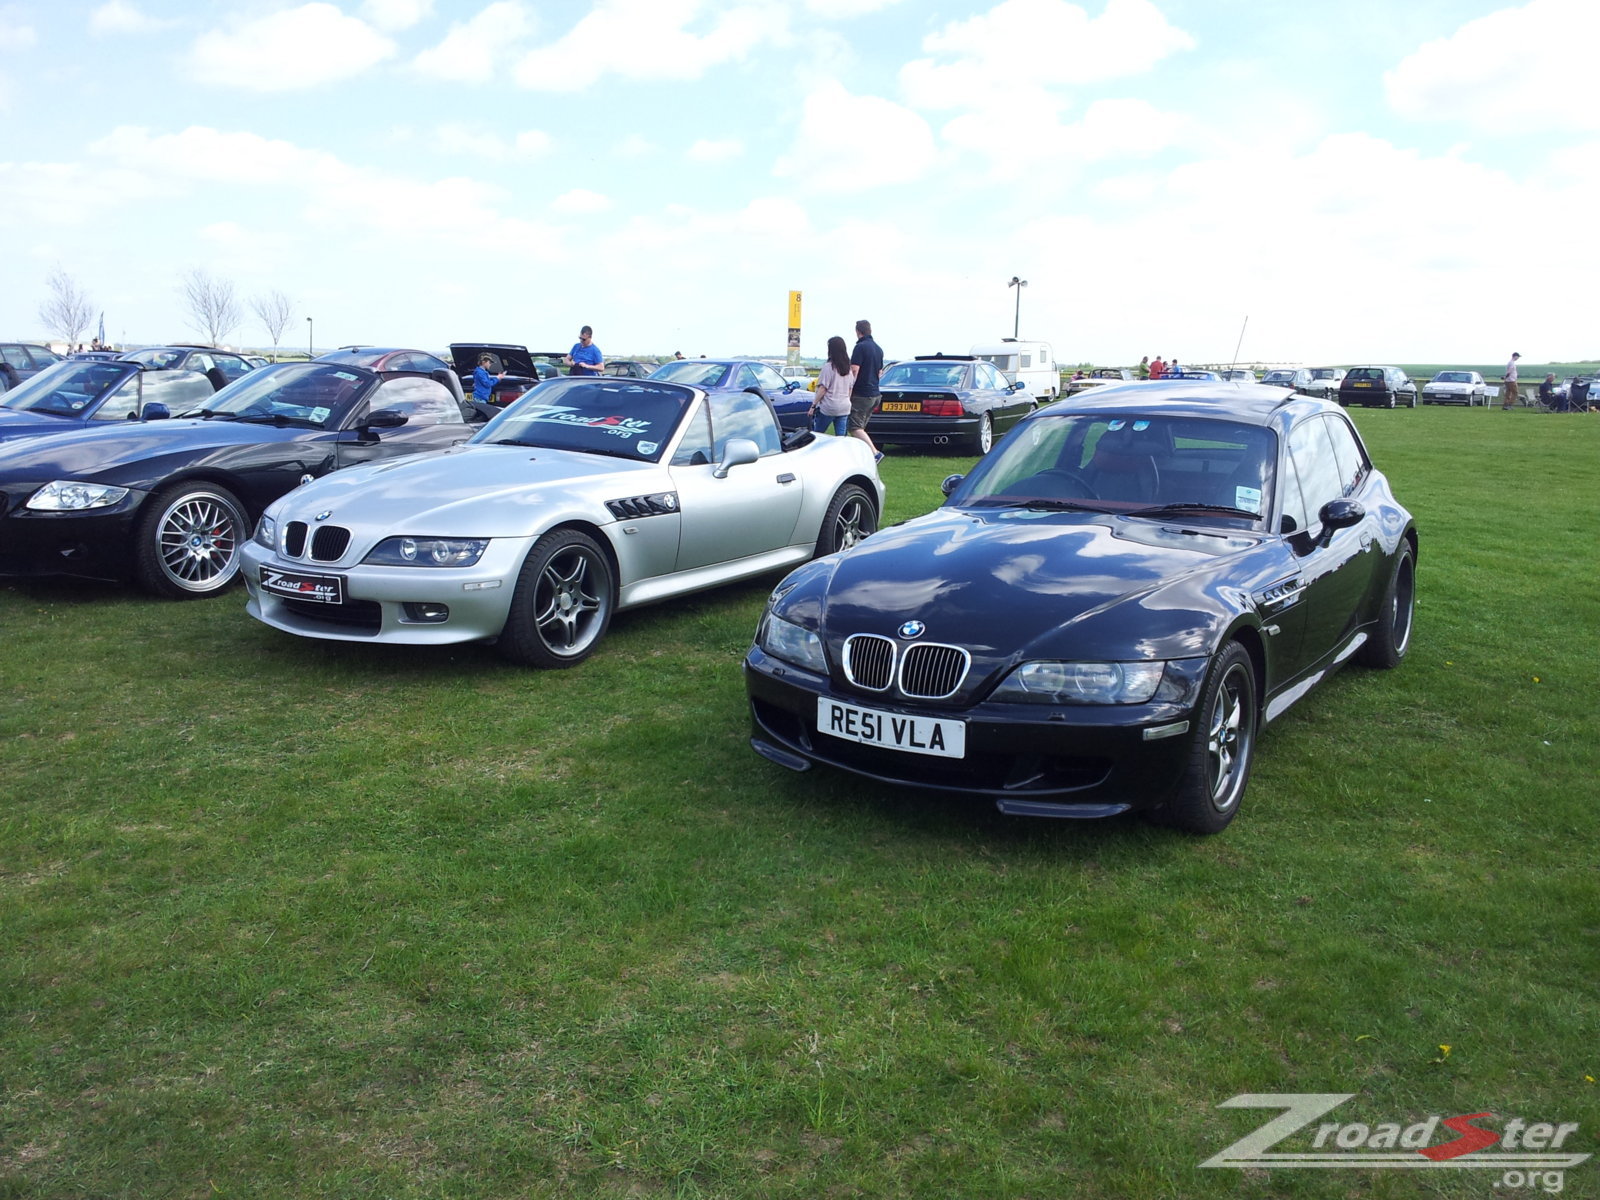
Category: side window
<point>1294,504</point>
<point>423,401</point>
<point>694,450</point>
<point>743,415</point>
<point>232,365</point>
<point>744,376</point>
<point>1316,465</point>
<point>1027,360</point>
<point>123,401</point>
<point>1347,451</point>
<point>770,379</point>
<point>15,356</point>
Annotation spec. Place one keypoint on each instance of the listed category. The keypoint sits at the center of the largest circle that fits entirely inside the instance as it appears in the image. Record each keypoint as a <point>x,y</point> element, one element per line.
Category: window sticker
<point>1140,426</point>
<point>648,447</point>
<point>1037,434</point>
<point>1116,425</point>
<point>616,425</point>
<point>319,415</point>
<point>1247,498</point>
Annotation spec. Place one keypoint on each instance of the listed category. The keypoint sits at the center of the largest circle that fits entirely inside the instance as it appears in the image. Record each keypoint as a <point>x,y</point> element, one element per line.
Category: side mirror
<point>385,418</point>
<point>155,411</point>
<point>950,484</point>
<point>1340,514</point>
<point>737,453</point>
<point>792,386</point>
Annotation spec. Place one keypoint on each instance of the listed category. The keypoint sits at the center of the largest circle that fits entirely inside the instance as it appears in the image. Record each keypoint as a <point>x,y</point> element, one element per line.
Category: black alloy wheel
<point>851,517</point>
<point>1389,640</point>
<point>562,604</point>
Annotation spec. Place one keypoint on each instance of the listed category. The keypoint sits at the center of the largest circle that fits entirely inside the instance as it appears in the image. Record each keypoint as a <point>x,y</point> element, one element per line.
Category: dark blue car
<point>23,360</point>
<point>168,503</point>
<point>788,398</point>
<point>80,393</point>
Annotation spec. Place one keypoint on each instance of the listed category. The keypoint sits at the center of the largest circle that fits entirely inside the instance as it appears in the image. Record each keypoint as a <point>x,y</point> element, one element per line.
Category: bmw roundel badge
<point>324,514</point>
<point>913,629</point>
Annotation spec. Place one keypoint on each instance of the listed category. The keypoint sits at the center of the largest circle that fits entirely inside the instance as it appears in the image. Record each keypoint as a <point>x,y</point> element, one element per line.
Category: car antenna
<point>1239,343</point>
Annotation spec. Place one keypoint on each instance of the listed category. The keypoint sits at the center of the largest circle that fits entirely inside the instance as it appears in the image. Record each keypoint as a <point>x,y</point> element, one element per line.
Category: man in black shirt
<point>867,358</point>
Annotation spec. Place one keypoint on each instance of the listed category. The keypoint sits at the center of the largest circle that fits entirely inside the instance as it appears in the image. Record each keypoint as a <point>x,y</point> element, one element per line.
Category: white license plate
<point>893,731</point>
<point>297,585</point>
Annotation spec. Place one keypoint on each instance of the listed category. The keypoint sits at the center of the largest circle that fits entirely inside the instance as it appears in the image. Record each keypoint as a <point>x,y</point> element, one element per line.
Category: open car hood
<point>517,360</point>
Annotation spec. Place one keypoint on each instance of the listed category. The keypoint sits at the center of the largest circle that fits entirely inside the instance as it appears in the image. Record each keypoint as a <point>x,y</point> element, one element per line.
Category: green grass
<point>289,918</point>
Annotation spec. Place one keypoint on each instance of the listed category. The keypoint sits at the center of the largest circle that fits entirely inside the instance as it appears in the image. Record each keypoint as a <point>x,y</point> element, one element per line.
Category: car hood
<point>468,491</point>
<point>1011,584</point>
<point>15,423</point>
<point>117,451</point>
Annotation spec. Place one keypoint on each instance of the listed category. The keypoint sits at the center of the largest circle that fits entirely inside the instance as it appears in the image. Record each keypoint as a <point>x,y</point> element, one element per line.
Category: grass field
<point>290,918</point>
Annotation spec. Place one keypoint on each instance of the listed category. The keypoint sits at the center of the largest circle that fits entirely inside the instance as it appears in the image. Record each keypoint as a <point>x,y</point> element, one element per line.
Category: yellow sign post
<point>794,329</point>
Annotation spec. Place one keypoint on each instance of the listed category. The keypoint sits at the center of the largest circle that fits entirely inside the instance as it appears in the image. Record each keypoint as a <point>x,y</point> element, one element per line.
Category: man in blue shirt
<point>867,358</point>
<point>584,358</point>
<point>483,382</point>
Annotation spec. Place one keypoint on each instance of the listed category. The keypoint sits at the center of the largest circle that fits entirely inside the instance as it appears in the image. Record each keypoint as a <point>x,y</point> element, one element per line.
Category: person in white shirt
<point>1508,389</point>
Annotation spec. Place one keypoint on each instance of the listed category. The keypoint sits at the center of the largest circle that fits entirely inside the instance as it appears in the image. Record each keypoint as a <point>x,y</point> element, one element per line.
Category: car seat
<point>1124,465</point>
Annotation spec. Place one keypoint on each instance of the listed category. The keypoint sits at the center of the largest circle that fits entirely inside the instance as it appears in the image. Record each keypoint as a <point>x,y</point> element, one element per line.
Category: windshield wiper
<point>1184,506</point>
<point>208,413</point>
<point>515,442</point>
<point>1037,502</point>
<point>278,419</point>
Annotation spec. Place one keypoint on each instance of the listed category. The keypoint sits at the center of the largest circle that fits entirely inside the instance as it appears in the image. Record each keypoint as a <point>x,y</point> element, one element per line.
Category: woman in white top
<point>832,403</point>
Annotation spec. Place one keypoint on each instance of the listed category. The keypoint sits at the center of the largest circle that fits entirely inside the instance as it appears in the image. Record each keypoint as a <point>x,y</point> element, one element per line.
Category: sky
<point>1350,181</point>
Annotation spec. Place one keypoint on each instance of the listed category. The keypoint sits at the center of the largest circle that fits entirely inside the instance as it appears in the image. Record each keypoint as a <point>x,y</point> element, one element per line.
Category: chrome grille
<point>869,661</point>
<point>931,672</point>
<point>294,539</point>
<point>329,543</point>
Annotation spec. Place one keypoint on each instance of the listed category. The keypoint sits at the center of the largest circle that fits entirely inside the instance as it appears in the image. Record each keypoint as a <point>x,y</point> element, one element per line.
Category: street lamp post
<point>1016,323</point>
<point>311,338</point>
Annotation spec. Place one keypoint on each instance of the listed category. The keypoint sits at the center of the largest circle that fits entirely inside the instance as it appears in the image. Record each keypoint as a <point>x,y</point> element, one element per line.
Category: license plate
<point>297,585</point>
<point>1360,385</point>
<point>892,731</point>
<point>902,406</point>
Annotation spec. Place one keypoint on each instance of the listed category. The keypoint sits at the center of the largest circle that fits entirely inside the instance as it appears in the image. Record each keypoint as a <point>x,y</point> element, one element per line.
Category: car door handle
<point>786,477</point>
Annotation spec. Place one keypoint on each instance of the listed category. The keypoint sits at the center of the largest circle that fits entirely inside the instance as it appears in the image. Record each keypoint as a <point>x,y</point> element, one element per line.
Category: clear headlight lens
<point>427,552</point>
<point>71,495</point>
<point>786,640</point>
<point>1081,683</point>
<point>267,532</point>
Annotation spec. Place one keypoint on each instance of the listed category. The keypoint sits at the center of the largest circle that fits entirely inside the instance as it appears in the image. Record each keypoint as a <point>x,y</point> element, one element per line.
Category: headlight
<point>70,495</point>
<point>427,552</point>
<point>267,532</point>
<point>786,640</point>
<point>1081,683</point>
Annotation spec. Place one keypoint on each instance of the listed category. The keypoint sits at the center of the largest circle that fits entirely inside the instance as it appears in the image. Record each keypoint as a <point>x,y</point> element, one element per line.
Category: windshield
<point>156,357</point>
<point>694,372</point>
<point>1452,377</point>
<point>1125,463</point>
<point>318,394</point>
<point>1322,373</point>
<point>70,389</point>
<point>924,374</point>
<point>1277,376</point>
<point>598,414</point>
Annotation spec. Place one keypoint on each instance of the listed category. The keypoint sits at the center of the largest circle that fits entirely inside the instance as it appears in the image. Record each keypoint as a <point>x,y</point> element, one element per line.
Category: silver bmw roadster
<point>586,496</point>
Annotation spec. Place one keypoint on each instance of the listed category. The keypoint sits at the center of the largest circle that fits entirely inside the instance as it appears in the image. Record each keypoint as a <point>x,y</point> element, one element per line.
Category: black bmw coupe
<point>1103,615</point>
<point>167,498</point>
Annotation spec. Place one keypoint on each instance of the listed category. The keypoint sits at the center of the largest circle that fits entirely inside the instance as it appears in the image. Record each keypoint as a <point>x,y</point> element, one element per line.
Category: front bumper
<point>1089,761</point>
<point>95,544</point>
<point>384,604</point>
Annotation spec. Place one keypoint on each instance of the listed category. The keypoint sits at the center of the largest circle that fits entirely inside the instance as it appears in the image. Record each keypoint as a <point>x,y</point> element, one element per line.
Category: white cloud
<point>118,17</point>
<point>533,143</point>
<point>837,10</point>
<point>481,49</point>
<point>650,39</point>
<point>1509,72</point>
<point>396,14</point>
<point>896,145</point>
<point>708,150</point>
<point>68,195</point>
<point>636,145</point>
<point>289,50</point>
<point>456,138</point>
<point>579,201</point>
<point>15,32</point>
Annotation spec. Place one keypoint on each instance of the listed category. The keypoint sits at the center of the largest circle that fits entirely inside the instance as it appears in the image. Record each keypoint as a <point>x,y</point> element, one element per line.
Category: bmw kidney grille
<point>924,671</point>
<point>328,543</point>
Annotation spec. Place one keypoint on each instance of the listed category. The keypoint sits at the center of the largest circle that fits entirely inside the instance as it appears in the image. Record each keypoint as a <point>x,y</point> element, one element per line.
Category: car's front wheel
<point>850,517</point>
<point>1221,749</point>
<point>562,603</point>
<point>188,540</point>
<point>1388,642</point>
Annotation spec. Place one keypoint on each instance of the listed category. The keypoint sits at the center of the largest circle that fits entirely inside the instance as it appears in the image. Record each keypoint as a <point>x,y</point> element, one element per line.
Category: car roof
<point>945,358</point>
<point>1249,403</point>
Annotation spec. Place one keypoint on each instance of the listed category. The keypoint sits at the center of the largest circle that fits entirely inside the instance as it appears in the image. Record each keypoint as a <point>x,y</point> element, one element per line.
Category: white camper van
<point>1031,363</point>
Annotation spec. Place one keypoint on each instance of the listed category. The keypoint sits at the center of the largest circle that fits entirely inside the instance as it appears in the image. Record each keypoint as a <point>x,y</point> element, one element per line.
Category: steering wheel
<point>1078,485</point>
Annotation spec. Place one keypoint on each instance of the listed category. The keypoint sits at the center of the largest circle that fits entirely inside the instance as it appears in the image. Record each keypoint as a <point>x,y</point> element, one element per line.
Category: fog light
<point>425,613</point>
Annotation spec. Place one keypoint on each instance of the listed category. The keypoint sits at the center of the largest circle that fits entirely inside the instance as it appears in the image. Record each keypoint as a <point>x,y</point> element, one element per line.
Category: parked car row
<point>1101,617</point>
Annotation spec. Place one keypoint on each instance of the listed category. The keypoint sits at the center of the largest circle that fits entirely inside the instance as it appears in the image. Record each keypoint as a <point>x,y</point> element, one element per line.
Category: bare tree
<point>273,309</point>
<point>212,309</point>
<point>67,310</point>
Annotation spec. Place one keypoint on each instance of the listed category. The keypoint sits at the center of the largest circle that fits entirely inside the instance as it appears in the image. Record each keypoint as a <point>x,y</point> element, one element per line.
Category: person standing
<point>833,405</point>
<point>1144,367</point>
<point>867,359</point>
<point>1157,367</point>
<point>1508,389</point>
<point>483,382</point>
<point>584,358</point>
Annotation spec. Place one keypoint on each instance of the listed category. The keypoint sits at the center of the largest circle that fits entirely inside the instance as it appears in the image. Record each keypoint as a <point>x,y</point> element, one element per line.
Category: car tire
<point>1390,638</point>
<point>1413,399</point>
<point>562,603</point>
<point>851,517</point>
<point>187,541</point>
<point>1221,748</point>
<point>1391,403</point>
<point>983,439</point>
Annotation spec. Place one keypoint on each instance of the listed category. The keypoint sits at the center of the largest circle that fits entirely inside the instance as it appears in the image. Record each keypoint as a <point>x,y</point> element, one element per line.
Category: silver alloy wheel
<point>197,541</point>
<point>570,607</point>
<point>1228,739</point>
<point>1404,604</point>
<point>985,434</point>
<point>853,523</point>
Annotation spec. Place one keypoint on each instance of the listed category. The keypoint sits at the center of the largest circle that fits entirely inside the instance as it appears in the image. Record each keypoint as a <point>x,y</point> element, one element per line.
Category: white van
<point>1032,363</point>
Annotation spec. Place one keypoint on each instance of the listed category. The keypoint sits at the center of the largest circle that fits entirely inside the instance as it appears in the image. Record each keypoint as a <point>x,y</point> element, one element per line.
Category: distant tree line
<point>209,302</point>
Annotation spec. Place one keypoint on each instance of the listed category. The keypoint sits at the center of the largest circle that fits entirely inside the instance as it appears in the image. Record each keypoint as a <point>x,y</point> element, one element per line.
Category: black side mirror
<point>1340,514</point>
<point>155,411</point>
<point>951,482</point>
<point>385,418</point>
